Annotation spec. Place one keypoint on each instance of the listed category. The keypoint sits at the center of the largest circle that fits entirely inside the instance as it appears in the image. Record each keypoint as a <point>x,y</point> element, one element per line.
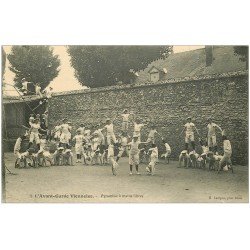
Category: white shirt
<point>154,152</point>
<point>43,144</point>
<point>38,90</point>
<point>124,141</point>
<point>17,146</point>
<point>137,127</point>
<point>189,127</point>
<point>110,128</point>
<point>134,147</point>
<point>25,85</point>
<point>87,132</point>
<point>99,132</point>
<point>95,143</point>
<point>48,93</point>
<point>125,117</point>
<point>167,147</point>
<point>82,129</point>
<point>205,149</point>
<point>211,128</point>
<point>78,138</point>
<point>57,128</point>
<point>34,127</point>
<point>152,133</point>
<point>227,147</point>
<point>65,128</point>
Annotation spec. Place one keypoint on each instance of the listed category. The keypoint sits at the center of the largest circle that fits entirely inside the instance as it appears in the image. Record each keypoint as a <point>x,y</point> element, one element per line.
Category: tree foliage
<point>98,66</point>
<point>3,61</point>
<point>242,52</point>
<point>37,64</point>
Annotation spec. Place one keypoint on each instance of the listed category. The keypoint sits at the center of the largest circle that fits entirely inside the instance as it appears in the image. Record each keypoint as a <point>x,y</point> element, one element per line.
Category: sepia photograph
<point>125,124</point>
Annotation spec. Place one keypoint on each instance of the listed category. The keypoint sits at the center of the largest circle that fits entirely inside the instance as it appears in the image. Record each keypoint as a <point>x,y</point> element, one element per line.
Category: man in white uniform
<point>65,134</point>
<point>110,131</point>
<point>211,135</point>
<point>189,129</point>
<point>34,133</point>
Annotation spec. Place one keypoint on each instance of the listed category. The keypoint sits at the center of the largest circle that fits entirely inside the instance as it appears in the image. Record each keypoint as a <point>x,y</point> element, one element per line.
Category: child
<point>123,143</point>
<point>58,157</point>
<point>111,158</point>
<point>34,133</point>
<point>153,159</point>
<point>48,92</point>
<point>100,135</point>
<point>24,86</point>
<point>81,129</point>
<point>28,158</point>
<point>65,134</point>
<point>189,128</point>
<point>184,157</point>
<point>78,138</point>
<point>39,118</point>
<point>226,159</point>
<point>125,117</point>
<point>134,154</point>
<point>193,156</point>
<point>211,135</point>
<point>137,128</point>
<point>57,132</point>
<point>68,157</point>
<point>31,119</point>
<point>87,133</point>
<point>17,149</point>
<point>110,131</point>
<point>168,151</point>
<point>38,90</point>
<point>151,135</point>
<point>43,142</point>
<point>95,148</point>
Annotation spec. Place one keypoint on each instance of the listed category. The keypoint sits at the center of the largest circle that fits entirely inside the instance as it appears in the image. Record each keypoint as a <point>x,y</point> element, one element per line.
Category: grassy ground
<point>81,183</point>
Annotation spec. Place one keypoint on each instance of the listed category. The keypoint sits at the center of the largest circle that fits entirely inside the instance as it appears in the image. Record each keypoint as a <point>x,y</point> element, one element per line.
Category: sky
<point>65,81</point>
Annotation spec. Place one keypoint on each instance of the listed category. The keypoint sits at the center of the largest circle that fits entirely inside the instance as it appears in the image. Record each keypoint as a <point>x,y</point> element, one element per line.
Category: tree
<point>242,52</point>
<point>98,66</point>
<point>37,64</point>
<point>3,61</point>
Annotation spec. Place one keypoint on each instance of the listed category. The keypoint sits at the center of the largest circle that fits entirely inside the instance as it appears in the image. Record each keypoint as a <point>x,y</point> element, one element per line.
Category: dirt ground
<point>81,183</point>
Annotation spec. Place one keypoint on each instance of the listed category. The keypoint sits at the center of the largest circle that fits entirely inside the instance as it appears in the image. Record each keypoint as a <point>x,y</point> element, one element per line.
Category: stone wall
<point>167,104</point>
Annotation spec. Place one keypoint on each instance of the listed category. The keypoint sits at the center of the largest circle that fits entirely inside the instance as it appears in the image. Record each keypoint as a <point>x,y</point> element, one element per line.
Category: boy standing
<point>65,134</point>
<point>123,142</point>
<point>17,148</point>
<point>134,154</point>
<point>34,133</point>
<point>110,131</point>
<point>168,150</point>
<point>81,129</point>
<point>211,135</point>
<point>189,129</point>
<point>137,128</point>
<point>125,117</point>
<point>151,135</point>
<point>153,159</point>
<point>227,154</point>
<point>78,138</point>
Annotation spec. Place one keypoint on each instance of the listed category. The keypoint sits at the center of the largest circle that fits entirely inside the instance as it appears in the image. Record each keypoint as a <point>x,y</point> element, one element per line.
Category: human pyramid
<point>100,145</point>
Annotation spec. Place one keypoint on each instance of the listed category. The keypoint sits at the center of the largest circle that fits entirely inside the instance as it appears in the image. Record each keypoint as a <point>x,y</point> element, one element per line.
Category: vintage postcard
<point>122,124</point>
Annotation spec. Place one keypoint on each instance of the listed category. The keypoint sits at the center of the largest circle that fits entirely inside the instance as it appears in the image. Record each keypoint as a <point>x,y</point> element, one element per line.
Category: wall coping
<point>142,85</point>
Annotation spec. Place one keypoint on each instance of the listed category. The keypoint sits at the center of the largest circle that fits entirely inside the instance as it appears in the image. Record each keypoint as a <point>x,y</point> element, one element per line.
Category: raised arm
<point>218,127</point>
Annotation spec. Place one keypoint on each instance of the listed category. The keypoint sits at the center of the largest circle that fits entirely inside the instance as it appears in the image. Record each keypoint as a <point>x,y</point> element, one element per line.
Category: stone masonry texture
<point>224,97</point>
